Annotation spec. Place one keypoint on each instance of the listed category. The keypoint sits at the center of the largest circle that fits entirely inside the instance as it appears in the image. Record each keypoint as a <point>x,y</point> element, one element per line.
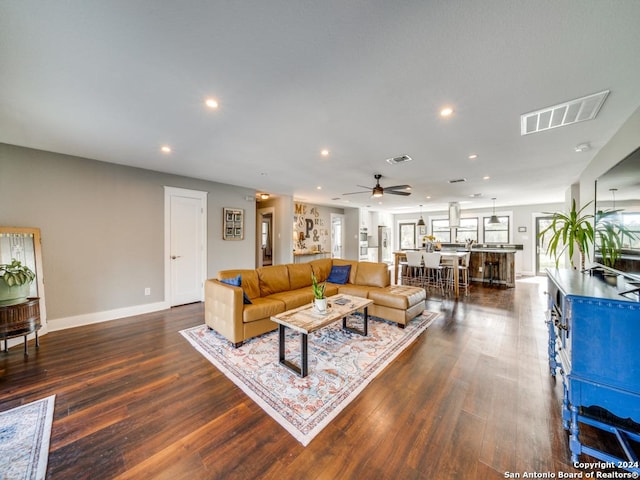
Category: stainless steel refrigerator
<point>384,245</point>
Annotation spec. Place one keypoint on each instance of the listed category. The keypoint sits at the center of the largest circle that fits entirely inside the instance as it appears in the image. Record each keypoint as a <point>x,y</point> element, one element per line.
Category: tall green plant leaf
<point>568,232</point>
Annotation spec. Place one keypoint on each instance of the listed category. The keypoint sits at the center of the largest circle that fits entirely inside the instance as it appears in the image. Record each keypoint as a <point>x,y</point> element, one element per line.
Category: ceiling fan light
<point>377,191</point>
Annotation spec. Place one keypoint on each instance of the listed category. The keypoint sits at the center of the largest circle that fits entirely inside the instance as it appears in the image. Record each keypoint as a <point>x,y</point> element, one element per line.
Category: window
<point>496,233</point>
<point>631,221</point>
<point>468,230</point>
<point>440,230</point>
<point>407,235</point>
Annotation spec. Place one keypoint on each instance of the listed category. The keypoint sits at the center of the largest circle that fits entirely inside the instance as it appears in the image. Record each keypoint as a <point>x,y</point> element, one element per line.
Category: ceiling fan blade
<point>364,186</point>
<point>398,187</point>
<point>354,193</point>
<point>397,192</point>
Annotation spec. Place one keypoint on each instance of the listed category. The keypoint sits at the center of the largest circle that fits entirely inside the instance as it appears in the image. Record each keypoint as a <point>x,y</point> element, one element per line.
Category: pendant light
<point>494,220</point>
<point>615,215</point>
<point>421,221</point>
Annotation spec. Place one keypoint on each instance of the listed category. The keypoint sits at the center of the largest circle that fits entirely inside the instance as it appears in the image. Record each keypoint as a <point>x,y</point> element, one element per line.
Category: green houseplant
<point>570,231</point>
<point>15,282</point>
<point>319,299</point>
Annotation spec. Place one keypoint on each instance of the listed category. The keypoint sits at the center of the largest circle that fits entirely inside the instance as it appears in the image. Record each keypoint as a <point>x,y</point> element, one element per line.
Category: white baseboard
<point>89,318</point>
<point>97,317</point>
<point>525,274</point>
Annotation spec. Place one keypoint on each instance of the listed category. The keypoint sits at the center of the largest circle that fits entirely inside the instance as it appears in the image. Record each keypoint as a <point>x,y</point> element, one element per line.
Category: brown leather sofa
<point>275,289</point>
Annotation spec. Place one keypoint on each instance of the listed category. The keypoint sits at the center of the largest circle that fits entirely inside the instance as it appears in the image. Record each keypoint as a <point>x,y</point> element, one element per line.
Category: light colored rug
<point>24,440</point>
<point>341,365</point>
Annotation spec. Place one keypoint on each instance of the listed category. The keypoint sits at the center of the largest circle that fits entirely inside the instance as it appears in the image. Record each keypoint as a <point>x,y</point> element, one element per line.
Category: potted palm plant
<point>319,300</point>
<point>15,282</point>
<point>570,231</point>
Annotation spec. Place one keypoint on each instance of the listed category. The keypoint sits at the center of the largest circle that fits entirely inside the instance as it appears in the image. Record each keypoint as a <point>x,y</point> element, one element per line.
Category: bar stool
<point>448,264</point>
<point>414,272</point>
<point>491,265</point>
<point>433,271</point>
<point>463,273</point>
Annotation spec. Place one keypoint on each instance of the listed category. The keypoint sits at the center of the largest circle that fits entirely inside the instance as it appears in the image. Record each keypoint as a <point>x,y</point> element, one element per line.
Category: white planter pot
<point>320,304</point>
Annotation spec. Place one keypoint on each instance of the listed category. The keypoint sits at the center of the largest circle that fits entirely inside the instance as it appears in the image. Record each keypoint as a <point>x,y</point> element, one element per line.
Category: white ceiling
<point>114,80</point>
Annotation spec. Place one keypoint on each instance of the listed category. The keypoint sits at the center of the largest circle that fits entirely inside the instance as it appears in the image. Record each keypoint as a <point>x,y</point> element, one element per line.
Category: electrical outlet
<point>480,269</point>
<point>147,291</point>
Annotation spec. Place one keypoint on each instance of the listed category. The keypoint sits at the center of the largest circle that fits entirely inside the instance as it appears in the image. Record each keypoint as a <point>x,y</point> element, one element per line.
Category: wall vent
<point>573,111</point>
<point>458,180</point>
<point>400,159</point>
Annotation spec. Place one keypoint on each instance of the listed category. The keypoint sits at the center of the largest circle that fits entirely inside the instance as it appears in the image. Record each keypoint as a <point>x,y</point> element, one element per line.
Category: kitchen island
<point>505,273</point>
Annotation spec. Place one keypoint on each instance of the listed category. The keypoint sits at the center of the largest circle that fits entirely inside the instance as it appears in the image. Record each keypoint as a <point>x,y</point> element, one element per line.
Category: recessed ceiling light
<point>473,156</point>
<point>166,149</point>
<point>318,187</point>
<point>486,177</point>
<point>446,112</point>
<point>324,152</point>
<point>211,103</point>
<point>428,197</point>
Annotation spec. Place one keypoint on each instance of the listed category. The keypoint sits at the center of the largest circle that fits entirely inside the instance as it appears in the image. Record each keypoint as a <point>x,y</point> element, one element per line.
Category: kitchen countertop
<point>494,250</point>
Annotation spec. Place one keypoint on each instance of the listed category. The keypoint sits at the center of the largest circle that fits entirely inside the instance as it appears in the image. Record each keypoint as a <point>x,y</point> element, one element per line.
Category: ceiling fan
<point>378,191</point>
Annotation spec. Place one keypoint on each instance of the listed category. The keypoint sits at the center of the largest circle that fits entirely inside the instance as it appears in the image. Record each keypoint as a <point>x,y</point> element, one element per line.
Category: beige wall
<point>102,227</point>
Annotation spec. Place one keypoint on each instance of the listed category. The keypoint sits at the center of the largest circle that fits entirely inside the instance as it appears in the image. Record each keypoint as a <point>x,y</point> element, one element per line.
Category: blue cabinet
<point>594,338</point>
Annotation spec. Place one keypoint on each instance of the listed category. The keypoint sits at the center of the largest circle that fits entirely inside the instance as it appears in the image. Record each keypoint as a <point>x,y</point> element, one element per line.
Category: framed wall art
<point>232,224</point>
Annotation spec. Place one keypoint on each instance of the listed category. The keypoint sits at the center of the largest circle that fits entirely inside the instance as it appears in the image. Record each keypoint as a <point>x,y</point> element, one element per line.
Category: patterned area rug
<point>24,440</point>
<point>341,365</point>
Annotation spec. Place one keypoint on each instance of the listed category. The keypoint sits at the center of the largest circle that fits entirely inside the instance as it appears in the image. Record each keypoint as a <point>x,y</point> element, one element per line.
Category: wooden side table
<point>20,320</point>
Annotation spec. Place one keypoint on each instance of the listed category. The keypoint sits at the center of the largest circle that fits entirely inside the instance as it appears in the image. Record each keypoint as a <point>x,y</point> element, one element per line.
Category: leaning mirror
<point>23,245</point>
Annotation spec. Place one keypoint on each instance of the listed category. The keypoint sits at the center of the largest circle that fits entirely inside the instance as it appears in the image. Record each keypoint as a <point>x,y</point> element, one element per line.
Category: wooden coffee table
<point>306,320</point>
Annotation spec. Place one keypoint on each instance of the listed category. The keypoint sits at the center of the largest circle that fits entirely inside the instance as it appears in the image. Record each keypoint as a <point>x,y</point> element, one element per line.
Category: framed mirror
<point>24,244</point>
<point>617,210</point>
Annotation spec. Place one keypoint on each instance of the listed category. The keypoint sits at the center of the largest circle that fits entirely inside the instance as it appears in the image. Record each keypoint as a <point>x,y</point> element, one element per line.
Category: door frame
<point>260,212</point>
<point>183,192</point>
<point>342,233</point>
<point>537,247</point>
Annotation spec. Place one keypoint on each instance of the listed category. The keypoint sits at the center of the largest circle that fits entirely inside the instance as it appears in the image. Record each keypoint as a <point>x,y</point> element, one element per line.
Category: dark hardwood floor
<point>472,398</point>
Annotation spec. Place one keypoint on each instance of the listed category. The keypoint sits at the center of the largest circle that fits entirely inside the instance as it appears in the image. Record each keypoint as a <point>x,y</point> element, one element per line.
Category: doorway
<point>337,235</point>
<point>265,245</point>
<point>543,260</point>
<point>185,245</point>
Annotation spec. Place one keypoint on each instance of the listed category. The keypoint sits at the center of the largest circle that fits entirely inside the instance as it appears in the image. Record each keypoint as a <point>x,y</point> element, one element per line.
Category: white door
<point>186,245</point>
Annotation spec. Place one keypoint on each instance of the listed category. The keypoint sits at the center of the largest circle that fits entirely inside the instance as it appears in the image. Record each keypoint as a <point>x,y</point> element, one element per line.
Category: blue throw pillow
<point>237,282</point>
<point>339,274</point>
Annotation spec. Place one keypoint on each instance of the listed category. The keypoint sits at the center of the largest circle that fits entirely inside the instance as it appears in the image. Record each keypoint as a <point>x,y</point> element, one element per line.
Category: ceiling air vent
<point>573,111</point>
<point>400,159</point>
<point>458,180</point>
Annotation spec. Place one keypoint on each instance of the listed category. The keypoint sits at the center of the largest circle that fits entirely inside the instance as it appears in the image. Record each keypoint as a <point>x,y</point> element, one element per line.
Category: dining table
<point>451,257</point>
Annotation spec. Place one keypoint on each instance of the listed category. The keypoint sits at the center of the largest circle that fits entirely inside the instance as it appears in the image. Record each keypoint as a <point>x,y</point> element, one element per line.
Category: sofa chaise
<point>241,312</point>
